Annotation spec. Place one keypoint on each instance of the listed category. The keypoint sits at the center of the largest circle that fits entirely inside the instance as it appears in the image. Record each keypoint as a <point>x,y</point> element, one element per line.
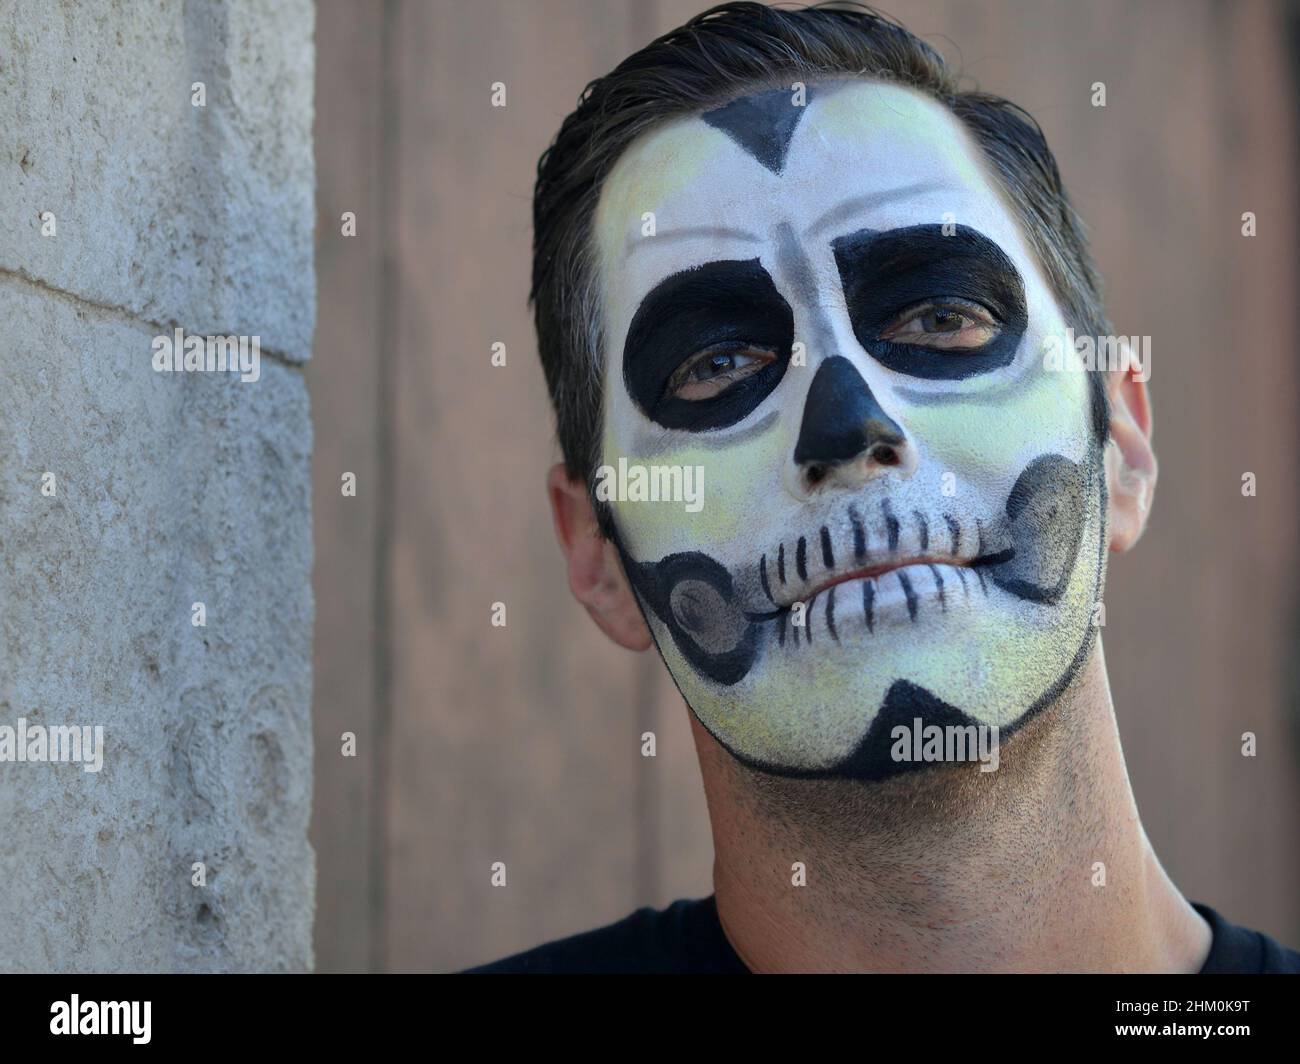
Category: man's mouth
<point>874,571</point>
<point>908,569</point>
<point>900,564</point>
<point>899,589</point>
<point>859,550</point>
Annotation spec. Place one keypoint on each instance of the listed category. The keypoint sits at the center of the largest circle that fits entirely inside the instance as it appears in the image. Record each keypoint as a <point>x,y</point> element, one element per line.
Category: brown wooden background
<point>521,744</point>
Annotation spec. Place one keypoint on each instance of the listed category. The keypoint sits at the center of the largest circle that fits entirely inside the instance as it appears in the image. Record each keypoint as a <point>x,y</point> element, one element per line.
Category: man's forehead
<point>856,153</point>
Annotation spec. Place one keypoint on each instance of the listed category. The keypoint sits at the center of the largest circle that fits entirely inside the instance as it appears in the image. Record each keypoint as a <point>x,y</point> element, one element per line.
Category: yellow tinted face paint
<point>849,491</point>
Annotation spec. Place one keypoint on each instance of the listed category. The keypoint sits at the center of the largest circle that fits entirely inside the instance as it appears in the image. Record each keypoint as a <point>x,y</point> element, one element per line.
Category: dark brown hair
<point>725,52</point>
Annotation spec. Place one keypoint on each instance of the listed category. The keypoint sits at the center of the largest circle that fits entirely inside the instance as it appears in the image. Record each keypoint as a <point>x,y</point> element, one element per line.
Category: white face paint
<point>928,490</point>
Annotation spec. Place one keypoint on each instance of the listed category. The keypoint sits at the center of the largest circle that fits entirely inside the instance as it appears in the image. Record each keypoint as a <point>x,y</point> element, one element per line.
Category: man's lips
<point>868,572</point>
<point>865,542</point>
<point>880,568</point>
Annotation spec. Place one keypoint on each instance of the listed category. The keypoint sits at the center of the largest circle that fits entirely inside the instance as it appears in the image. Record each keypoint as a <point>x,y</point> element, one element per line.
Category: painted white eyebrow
<point>842,212</point>
<point>697,232</point>
<point>838,214</point>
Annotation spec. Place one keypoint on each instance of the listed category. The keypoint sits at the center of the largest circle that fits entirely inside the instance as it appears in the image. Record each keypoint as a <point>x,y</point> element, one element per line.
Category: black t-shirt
<point>687,939</point>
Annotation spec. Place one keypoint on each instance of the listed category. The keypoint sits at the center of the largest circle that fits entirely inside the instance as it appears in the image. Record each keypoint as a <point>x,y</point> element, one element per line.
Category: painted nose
<point>846,436</point>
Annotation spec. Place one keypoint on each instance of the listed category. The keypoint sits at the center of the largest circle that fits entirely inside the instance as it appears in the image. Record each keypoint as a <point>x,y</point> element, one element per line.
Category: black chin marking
<point>762,124</point>
<point>904,702</point>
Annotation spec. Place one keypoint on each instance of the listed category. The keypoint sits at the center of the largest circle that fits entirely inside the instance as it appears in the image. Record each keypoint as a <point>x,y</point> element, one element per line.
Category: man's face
<point>836,317</point>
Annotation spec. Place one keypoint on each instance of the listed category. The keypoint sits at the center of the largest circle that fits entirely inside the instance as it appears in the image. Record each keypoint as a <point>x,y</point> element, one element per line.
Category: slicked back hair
<point>729,51</point>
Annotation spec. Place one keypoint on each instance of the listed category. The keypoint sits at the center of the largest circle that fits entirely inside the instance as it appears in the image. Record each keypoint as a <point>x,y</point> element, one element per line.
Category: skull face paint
<point>908,520</point>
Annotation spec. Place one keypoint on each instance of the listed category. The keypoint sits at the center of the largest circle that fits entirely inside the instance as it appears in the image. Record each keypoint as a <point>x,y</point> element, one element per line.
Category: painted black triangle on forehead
<point>762,124</point>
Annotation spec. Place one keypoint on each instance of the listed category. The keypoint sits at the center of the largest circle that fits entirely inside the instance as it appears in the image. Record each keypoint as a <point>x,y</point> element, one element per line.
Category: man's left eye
<point>946,326</point>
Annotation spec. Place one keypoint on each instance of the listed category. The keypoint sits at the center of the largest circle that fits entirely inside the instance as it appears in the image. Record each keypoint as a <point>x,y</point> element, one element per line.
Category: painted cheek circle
<point>716,303</point>
<point>885,273</point>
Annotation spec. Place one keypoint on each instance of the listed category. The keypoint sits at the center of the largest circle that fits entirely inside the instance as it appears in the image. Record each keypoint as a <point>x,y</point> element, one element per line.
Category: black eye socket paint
<point>885,273</point>
<point>724,302</point>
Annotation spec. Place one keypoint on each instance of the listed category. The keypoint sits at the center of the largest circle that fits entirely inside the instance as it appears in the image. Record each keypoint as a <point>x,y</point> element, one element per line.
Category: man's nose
<point>846,438</point>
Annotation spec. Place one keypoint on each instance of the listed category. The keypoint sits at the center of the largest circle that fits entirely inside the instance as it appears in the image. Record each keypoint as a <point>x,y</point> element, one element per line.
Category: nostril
<point>881,454</point>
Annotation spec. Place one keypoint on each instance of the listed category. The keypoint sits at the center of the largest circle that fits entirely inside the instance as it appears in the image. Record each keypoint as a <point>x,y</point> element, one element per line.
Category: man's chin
<point>943,701</point>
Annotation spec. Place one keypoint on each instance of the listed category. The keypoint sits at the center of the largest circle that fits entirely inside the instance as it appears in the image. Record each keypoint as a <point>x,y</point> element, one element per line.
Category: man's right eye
<point>715,369</point>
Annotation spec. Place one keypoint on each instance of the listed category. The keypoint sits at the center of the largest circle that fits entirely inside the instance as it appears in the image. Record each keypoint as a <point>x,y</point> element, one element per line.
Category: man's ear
<point>1130,462</point>
<point>596,577</point>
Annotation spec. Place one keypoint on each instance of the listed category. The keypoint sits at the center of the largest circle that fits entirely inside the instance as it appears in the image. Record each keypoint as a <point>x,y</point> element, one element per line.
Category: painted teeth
<point>873,533</point>
<point>922,586</point>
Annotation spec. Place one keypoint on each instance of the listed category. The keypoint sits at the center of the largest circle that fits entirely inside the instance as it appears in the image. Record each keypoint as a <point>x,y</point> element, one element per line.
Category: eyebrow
<point>838,214</point>
<point>696,232</point>
<point>851,208</point>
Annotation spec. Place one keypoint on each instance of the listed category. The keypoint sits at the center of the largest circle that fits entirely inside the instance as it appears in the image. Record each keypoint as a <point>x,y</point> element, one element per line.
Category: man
<point>780,256</point>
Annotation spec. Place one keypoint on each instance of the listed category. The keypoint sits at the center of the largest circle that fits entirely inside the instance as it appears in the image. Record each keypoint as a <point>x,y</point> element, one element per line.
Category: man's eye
<point>713,370</point>
<point>950,326</point>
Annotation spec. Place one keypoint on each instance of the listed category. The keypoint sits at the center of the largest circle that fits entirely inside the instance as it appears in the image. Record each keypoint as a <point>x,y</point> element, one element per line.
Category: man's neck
<point>1042,865</point>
